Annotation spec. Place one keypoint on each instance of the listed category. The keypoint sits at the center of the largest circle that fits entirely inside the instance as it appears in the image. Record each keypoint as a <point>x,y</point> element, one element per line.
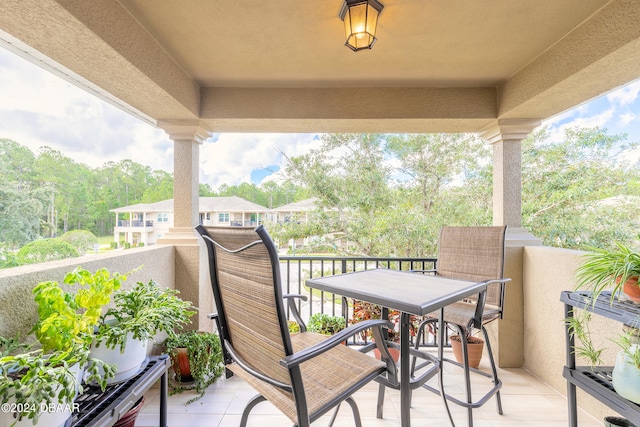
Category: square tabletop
<point>409,292</point>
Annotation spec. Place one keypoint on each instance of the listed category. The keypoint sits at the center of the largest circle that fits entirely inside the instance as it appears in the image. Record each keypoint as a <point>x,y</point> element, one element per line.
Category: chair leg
<point>493,369</point>
<point>252,403</point>
<point>467,376</point>
<point>380,405</point>
<point>333,417</point>
<point>356,412</point>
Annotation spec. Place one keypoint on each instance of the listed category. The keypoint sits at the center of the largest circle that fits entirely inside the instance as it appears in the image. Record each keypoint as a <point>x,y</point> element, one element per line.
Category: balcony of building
<point>495,68</point>
<point>529,343</point>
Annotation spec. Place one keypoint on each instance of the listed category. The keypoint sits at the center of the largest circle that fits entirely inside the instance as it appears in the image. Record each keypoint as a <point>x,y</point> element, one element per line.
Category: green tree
<point>44,250</point>
<point>580,192</point>
<point>436,161</point>
<point>16,164</point>
<point>20,216</point>
<point>348,176</point>
<point>160,187</point>
<point>67,181</point>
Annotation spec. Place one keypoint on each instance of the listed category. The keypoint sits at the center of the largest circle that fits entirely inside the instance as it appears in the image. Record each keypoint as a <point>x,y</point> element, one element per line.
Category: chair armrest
<point>317,349</point>
<point>290,299</point>
<point>482,298</point>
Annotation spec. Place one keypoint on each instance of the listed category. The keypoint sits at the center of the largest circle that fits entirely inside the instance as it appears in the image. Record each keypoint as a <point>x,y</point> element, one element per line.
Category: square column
<point>190,279</point>
<point>507,335</point>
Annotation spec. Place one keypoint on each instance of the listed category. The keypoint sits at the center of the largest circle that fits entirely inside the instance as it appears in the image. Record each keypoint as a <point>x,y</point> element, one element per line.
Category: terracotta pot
<point>475,346</point>
<point>129,419</point>
<point>395,354</point>
<point>632,290</point>
<point>180,364</point>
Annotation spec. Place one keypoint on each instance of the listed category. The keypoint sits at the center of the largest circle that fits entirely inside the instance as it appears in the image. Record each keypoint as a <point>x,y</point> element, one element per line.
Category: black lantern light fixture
<point>360,21</point>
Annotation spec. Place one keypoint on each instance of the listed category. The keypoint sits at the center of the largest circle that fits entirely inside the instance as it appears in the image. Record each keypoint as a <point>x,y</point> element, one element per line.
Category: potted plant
<point>475,347</point>
<point>324,324</point>
<point>37,379</point>
<point>65,319</point>
<point>196,361</point>
<point>40,387</point>
<point>365,311</point>
<point>615,269</point>
<point>362,311</point>
<point>626,371</point>
<point>138,315</point>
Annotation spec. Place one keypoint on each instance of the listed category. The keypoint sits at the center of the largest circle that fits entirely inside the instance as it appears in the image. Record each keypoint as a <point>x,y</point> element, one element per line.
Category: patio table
<point>409,293</point>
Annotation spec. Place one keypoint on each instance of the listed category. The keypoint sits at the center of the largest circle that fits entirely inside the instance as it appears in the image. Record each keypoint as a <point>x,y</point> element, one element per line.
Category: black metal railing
<point>296,269</point>
<point>126,223</point>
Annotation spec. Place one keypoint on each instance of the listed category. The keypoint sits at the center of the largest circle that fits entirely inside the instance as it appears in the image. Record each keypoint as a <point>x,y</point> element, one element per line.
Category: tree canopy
<point>388,195</point>
<point>383,195</point>
<point>48,194</point>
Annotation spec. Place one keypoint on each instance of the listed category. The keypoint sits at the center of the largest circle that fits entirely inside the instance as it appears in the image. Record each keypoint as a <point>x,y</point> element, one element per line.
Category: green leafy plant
<point>578,326</point>
<point>604,269</point>
<point>324,324</point>
<point>204,353</point>
<point>583,346</point>
<point>33,378</point>
<point>64,329</point>
<point>143,311</point>
<point>66,319</point>
<point>11,345</point>
<point>294,327</point>
<point>626,343</point>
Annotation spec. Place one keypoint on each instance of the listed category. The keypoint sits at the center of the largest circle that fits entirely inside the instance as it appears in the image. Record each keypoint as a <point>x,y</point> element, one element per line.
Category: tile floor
<point>526,401</point>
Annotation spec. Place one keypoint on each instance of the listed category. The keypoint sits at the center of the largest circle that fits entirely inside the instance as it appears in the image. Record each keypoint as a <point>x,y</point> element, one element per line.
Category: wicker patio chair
<point>476,254</point>
<point>304,375</point>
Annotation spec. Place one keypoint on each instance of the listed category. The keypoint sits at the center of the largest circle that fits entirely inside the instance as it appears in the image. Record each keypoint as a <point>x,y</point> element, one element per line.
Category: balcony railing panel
<point>126,223</point>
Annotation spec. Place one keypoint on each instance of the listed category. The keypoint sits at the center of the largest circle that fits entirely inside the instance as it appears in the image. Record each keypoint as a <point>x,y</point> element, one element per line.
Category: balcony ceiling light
<point>360,21</point>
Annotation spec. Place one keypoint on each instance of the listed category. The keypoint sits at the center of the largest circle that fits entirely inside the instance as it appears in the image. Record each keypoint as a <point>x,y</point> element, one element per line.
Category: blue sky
<point>39,109</point>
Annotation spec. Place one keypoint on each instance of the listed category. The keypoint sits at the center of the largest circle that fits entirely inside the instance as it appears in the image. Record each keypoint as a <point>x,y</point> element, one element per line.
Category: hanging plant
<point>205,364</point>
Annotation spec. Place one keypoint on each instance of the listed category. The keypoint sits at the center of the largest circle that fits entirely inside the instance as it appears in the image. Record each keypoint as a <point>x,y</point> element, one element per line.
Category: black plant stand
<point>99,408</point>
<point>597,380</point>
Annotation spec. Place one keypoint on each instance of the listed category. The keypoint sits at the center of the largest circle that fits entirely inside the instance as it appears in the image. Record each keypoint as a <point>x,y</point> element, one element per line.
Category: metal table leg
<point>405,379</point>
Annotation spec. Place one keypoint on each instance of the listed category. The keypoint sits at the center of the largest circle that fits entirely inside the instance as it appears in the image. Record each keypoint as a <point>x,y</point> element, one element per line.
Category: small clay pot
<point>475,346</point>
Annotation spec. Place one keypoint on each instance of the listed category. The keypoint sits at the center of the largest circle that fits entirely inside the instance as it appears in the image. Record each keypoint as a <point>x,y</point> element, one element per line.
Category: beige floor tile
<point>527,402</point>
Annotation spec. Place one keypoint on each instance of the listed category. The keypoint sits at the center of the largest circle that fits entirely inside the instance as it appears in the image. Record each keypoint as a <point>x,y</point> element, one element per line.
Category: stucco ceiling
<point>247,65</point>
<point>300,43</point>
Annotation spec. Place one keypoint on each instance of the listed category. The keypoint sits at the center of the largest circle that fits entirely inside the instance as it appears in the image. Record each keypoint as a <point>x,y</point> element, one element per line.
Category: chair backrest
<point>245,277</point>
<point>474,253</point>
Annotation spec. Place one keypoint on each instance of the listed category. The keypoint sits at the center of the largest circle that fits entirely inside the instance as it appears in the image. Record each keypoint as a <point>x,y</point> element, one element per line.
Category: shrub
<point>82,240</point>
<point>45,250</point>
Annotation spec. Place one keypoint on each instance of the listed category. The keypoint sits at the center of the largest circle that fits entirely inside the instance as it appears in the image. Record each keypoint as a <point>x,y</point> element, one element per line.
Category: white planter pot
<point>54,415</point>
<point>128,363</point>
<point>626,377</point>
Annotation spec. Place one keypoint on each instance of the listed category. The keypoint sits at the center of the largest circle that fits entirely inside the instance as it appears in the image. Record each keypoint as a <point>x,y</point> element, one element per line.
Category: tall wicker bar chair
<point>476,254</point>
<point>304,375</point>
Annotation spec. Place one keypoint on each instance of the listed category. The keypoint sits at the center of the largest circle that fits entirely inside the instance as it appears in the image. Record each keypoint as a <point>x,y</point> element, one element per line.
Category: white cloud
<point>39,109</point>
<point>626,118</point>
<point>625,95</point>
<point>232,157</point>
<point>557,130</point>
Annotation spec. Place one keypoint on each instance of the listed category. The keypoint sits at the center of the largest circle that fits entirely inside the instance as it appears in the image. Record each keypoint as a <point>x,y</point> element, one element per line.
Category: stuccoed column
<point>190,277</point>
<point>507,335</point>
